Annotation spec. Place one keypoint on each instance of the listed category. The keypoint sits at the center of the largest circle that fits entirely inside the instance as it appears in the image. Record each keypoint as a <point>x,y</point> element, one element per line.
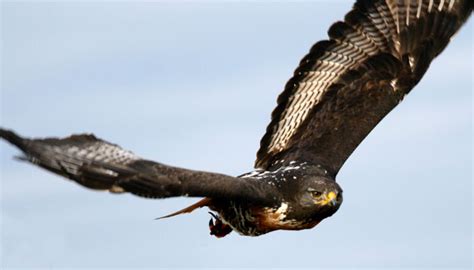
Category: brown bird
<point>340,91</point>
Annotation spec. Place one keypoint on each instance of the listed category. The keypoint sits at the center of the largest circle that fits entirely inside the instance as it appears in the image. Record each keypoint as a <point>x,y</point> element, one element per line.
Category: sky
<point>192,84</point>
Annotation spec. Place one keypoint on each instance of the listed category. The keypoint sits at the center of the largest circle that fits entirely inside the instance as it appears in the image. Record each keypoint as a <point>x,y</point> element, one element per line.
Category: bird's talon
<point>211,223</point>
<point>218,228</point>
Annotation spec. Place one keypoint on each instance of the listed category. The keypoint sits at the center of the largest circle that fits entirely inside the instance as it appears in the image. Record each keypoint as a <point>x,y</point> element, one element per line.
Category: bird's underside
<point>340,91</point>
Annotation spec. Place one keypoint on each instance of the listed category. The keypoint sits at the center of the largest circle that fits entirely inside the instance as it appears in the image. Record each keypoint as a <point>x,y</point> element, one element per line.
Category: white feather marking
<point>109,172</point>
<point>116,189</point>
<point>259,174</point>
<point>441,4</point>
<point>281,211</point>
<point>420,5</point>
<point>407,21</point>
<point>411,61</point>
<point>451,3</point>
<point>393,83</point>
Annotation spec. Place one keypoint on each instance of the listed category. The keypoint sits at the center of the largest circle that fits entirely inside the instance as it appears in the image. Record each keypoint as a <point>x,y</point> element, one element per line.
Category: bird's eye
<point>316,193</point>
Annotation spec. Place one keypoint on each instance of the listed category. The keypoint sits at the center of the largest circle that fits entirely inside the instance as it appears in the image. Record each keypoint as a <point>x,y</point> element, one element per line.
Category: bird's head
<point>321,192</point>
<point>318,197</point>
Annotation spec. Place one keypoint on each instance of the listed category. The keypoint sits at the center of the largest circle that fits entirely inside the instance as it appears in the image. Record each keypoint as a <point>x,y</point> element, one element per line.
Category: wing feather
<point>100,165</point>
<point>410,32</point>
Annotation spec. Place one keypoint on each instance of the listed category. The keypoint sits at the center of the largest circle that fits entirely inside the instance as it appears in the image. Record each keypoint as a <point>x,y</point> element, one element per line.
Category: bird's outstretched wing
<point>100,165</point>
<point>347,84</point>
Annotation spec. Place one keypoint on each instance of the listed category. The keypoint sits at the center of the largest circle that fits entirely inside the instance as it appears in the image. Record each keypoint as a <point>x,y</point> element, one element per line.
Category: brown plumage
<point>341,89</point>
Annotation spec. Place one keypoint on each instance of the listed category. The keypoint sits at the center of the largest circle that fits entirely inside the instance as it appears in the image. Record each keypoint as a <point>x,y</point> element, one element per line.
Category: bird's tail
<point>189,209</point>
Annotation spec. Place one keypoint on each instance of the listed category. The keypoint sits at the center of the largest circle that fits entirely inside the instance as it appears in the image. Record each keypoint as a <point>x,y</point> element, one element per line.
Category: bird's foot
<point>218,228</point>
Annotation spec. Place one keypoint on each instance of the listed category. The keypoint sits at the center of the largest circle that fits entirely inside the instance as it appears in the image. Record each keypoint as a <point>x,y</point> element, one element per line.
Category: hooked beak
<point>329,198</point>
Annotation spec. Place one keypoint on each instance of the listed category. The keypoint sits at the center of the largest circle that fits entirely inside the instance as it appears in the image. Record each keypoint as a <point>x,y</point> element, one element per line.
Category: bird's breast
<point>256,220</point>
<point>271,219</point>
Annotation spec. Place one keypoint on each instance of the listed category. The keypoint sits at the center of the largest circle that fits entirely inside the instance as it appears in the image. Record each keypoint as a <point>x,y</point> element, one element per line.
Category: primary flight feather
<point>340,91</point>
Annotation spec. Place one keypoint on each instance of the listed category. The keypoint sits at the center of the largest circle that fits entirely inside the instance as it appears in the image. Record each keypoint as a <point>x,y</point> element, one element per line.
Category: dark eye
<point>316,193</point>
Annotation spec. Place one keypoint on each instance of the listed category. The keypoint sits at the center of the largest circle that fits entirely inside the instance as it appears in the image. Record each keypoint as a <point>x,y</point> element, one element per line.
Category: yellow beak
<point>329,198</point>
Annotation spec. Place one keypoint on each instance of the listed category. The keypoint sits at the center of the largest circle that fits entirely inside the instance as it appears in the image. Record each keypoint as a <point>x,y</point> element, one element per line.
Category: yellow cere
<point>331,196</point>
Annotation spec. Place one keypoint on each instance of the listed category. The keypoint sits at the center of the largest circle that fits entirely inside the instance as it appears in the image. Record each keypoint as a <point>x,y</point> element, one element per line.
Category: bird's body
<point>340,91</point>
<point>287,212</point>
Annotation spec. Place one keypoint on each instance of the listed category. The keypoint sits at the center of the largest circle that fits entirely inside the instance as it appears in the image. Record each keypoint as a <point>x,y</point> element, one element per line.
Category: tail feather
<point>189,209</point>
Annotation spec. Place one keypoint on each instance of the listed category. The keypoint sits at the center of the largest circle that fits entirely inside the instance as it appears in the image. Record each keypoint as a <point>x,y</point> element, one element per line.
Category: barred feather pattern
<point>97,164</point>
<point>413,31</point>
<point>70,154</point>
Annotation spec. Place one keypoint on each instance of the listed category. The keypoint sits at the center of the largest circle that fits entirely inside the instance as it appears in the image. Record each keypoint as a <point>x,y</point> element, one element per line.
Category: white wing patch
<point>372,28</point>
<point>71,158</point>
<point>325,64</point>
<point>100,151</point>
<point>276,174</point>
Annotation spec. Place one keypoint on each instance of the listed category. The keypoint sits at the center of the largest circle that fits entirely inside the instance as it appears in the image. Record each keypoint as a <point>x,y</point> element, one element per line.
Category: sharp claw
<point>213,215</point>
<point>218,228</point>
<point>211,223</point>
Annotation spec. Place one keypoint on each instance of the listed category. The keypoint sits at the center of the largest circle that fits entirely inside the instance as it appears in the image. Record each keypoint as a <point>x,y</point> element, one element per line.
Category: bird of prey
<point>339,92</point>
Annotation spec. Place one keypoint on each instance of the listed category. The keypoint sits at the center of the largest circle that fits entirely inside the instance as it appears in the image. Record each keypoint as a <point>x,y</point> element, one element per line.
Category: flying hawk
<point>340,91</point>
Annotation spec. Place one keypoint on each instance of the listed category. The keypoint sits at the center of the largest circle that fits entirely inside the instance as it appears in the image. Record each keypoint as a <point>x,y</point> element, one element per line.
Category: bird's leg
<point>218,228</point>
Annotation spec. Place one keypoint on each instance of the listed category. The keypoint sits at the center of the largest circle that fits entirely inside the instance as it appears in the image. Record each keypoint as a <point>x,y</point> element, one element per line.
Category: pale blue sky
<point>193,85</point>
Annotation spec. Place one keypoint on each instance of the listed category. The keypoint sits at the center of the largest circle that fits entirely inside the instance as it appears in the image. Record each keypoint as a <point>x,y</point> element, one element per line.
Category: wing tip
<point>11,137</point>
